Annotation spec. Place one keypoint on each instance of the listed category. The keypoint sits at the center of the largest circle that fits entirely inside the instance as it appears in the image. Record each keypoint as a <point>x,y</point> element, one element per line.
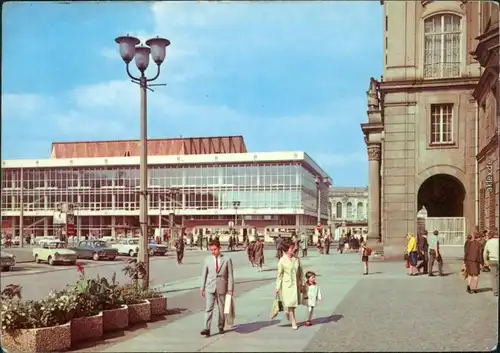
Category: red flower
<point>80,269</point>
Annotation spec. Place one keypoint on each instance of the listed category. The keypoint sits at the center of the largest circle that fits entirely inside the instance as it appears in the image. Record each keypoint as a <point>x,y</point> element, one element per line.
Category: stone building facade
<point>349,208</point>
<point>424,122</point>
<point>487,94</point>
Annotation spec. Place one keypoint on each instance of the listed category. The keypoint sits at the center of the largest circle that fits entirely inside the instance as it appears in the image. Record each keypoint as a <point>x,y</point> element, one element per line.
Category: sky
<point>288,76</point>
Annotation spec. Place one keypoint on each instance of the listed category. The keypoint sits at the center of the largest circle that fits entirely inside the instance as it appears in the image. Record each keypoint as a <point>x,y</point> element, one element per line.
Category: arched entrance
<point>443,197</point>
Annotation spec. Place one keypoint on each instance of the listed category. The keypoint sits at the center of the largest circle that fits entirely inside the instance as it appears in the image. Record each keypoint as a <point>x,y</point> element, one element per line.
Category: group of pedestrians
<point>422,252</point>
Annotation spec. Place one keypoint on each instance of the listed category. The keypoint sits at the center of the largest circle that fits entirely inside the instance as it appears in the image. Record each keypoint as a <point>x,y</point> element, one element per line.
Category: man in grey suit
<point>216,281</point>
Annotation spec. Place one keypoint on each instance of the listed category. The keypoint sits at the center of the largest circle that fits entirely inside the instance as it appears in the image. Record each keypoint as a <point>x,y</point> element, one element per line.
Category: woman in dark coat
<point>250,253</point>
<point>473,260</point>
<point>258,253</point>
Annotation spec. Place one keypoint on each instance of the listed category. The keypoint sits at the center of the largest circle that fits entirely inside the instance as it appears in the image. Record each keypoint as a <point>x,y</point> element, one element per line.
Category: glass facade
<point>273,186</point>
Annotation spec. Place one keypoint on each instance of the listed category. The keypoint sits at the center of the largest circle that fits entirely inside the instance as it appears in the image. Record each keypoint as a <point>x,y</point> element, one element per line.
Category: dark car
<point>157,249</point>
<point>95,249</point>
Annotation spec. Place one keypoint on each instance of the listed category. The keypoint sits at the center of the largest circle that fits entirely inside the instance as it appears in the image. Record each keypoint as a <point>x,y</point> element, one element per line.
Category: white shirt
<point>491,250</point>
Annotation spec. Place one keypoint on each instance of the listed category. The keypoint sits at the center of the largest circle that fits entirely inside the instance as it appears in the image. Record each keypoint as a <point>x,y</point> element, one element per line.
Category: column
<point>45,185</point>
<point>78,216</point>
<point>113,229</point>
<point>113,196</point>
<point>374,193</point>
<point>45,226</point>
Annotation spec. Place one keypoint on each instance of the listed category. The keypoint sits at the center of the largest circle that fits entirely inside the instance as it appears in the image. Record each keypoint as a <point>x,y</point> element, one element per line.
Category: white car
<point>54,252</point>
<point>40,240</point>
<point>128,246</point>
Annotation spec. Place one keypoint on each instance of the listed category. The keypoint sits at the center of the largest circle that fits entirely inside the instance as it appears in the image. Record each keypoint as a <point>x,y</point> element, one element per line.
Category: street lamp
<point>236,204</point>
<point>129,49</point>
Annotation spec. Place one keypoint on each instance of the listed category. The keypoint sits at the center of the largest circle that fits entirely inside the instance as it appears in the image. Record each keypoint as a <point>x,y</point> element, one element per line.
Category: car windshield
<point>133,241</point>
<point>99,244</point>
<point>56,245</point>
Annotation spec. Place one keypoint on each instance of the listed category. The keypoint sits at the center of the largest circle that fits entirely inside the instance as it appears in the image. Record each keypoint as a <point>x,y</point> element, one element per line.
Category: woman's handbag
<point>463,272</point>
<point>277,307</point>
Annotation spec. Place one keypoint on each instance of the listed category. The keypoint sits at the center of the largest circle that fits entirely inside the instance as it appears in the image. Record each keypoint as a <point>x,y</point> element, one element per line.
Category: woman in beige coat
<point>289,283</point>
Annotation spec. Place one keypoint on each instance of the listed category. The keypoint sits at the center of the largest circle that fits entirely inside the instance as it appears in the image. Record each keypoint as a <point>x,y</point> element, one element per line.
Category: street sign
<point>70,230</point>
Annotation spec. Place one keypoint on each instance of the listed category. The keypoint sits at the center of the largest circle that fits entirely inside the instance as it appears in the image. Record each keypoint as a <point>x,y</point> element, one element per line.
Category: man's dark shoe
<point>205,333</point>
<point>432,275</point>
<point>221,330</point>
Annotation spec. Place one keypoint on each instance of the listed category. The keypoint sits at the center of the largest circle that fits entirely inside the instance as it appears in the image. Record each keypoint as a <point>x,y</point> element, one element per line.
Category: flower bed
<point>158,306</point>
<point>140,312</point>
<point>43,339</point>
<point>115,319</point>
<point>36,326</point>
<point>87,328</point>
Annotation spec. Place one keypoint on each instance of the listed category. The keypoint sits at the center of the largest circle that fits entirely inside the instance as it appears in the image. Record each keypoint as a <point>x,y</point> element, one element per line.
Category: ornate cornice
<point>489,147</point>
<point>374,152</point>
<point>484,85</point>
<point>429,85</point>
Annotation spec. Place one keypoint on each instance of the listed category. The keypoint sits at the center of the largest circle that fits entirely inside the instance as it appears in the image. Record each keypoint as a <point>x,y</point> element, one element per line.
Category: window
<point>441,124</point>
<point>359,211</point>
<point>349,210</point>
<point>339,210</point>
<point>442,46</point>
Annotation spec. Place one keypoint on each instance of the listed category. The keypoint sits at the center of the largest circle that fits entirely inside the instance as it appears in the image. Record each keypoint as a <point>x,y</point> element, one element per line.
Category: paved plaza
<point>385,311</point>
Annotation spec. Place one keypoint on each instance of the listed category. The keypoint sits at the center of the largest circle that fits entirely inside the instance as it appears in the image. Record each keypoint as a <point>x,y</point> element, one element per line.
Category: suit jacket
<point>217,282</point>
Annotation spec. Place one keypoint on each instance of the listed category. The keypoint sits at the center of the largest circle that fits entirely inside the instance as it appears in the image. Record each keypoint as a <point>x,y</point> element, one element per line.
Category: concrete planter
<point>115,319</point>
<point>88,328</point>
<point>139,312</point>
<point>46,339</point>
<point>158,306</point>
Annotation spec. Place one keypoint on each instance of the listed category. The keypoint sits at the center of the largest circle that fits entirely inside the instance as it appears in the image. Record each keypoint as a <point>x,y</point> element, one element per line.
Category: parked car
<point>7,261</point>
<point>40,240</point>
<point>95,249</point>
<point>127,246</point>
<point>54,252</point>
<point>157,249</point>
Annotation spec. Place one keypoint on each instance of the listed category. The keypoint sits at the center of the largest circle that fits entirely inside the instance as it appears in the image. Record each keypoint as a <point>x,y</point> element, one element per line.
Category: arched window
<point>359,211</point>
<point>338,210</point>
<point>442,46</point>
<point>349,210</point>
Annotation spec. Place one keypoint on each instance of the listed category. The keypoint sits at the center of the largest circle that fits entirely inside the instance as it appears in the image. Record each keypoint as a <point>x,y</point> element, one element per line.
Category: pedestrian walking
<point>304,243</point>
<point>423,251</point>
<point>328,241</point>
<point>473,259</point>
<point>250,253</point>
<point>289,282</point>
<point>179,248</point>
<point>217,281</point>
<point>312,295</point>
<point>412,254</point>
<point>258,251</point>
<point>365,255</point>
<point>490,254</point>
<point>279,251</point>
<point>434,254</point>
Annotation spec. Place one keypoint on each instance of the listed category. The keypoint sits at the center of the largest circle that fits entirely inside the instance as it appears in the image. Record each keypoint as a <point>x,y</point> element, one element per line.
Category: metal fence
<point>451,229</point>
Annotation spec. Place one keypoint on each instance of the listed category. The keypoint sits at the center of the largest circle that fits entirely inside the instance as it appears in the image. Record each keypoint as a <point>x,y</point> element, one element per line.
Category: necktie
<point>217,264</point>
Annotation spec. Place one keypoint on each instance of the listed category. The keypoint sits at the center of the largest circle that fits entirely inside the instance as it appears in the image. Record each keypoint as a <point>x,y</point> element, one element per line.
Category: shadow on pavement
<point>326,319</point>
<point>175,311</point>
<point>197,287</point>
<point>254,326</point>
<point>484,290</point>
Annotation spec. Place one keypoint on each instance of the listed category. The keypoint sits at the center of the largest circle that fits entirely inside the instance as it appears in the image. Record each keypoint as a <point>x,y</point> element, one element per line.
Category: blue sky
<point>286,76</point>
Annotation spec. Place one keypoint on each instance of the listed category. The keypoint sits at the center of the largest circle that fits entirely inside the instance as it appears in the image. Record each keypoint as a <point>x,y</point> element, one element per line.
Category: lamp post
<point>236,204</point>
<point>129,50</point>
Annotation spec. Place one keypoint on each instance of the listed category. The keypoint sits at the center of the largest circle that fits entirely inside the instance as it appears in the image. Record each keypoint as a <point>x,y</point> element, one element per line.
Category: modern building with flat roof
<point>197,183</point>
